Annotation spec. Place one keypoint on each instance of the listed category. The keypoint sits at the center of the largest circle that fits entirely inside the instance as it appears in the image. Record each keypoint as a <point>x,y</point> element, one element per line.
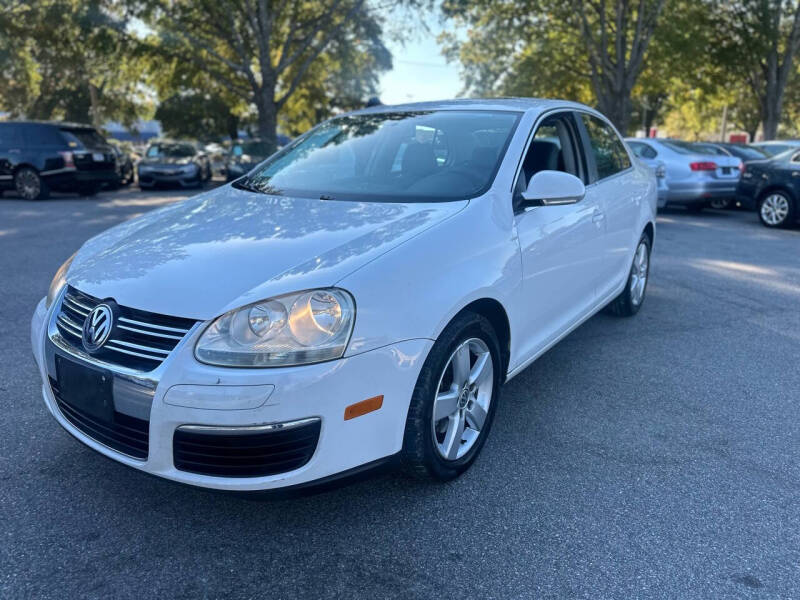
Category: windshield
<point>392,157</point>
<point>170,151</point>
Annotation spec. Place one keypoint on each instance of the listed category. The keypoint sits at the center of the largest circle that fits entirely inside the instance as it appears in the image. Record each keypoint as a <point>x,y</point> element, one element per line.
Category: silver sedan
<point>693,179</point>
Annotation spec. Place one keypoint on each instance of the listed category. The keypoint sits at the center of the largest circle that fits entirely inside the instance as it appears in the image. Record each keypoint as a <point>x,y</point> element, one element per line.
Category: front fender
<point>415,290</point>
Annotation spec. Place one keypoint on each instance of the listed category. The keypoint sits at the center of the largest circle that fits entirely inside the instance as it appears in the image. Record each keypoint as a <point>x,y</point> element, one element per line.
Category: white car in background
<point>360,296</point>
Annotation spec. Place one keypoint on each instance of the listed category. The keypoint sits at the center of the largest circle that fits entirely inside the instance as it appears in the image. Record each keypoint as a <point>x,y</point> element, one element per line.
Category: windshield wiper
<point>247,184</point>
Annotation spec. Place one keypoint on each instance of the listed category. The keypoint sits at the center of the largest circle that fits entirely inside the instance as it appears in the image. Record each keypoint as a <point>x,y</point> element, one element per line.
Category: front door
<point>561,246</point>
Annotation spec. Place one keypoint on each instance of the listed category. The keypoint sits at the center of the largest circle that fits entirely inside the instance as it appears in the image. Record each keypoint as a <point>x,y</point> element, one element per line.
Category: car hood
<point>228,247</point>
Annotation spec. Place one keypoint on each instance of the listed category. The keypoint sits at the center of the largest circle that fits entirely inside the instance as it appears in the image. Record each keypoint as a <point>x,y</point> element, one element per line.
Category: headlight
<point>190,168</point>
<point>295,329</point>
<point>59,281</point>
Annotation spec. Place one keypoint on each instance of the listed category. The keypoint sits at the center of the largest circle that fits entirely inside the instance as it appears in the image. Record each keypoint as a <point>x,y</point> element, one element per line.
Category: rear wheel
<point>30,185</point>
<point>631,299</point>
<point>776,209</point>
<point>454,401</point>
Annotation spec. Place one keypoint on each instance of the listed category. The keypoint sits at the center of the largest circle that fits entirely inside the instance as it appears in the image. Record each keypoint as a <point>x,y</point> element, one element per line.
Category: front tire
<point>30,185</point>
<point>631,299</point>
<point>776,209</point>
<point>454,402</point>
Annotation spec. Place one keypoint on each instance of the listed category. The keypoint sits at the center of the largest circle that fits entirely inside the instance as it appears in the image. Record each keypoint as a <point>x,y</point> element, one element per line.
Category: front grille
<point>243,453</point>
<point>139,340</point>
<point>123,433</point>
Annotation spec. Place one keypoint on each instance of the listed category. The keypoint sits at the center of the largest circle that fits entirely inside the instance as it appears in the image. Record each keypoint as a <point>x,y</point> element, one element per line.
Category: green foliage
<point>295,61</point>
<point>69,59</point>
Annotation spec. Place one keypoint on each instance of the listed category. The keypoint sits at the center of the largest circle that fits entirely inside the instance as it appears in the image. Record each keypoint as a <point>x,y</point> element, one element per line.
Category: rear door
<point>10,150</point>
<point>617,191</point>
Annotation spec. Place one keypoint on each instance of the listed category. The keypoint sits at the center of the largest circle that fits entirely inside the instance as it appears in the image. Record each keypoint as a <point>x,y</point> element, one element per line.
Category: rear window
<point>86,138</point>
<point>252,148</point>
<point>170,151</point>
<point>680,147</point>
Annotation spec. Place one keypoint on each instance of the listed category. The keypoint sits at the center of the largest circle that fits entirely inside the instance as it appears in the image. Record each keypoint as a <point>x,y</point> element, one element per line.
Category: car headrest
<point>542,155</point>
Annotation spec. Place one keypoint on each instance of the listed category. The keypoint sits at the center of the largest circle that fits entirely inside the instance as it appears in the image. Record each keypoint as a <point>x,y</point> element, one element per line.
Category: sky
<point>420,71</point>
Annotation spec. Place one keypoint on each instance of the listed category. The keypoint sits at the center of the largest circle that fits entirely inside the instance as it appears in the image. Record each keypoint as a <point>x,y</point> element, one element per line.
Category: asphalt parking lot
<point>657,456</point>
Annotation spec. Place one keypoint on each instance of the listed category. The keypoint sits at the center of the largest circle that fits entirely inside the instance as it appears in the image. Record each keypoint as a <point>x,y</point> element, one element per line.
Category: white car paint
<point>411,267</point>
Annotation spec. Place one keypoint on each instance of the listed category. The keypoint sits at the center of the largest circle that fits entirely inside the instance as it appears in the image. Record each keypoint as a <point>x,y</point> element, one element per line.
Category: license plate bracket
<point>726,170</point>
<point>88,389</point>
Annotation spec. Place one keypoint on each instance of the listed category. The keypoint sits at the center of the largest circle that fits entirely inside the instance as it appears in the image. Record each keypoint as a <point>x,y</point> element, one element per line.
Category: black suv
<point>37,156</point>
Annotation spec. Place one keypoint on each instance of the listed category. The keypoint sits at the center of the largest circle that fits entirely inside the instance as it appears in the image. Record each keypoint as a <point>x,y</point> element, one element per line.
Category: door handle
<point>598,216</point>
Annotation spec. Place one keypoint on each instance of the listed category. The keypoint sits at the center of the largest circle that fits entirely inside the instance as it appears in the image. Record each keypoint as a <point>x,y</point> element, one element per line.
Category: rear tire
<point>439,446</point>
<point>30,185</point>
<point>776,209</point>
<point>632,297</point>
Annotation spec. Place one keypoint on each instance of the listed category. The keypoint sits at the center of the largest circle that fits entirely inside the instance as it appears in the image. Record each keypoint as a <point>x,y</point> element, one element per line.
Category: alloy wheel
<point>639,272</point>
<point>462,399</point>
<point>775,209</point>
<point>28,184</point>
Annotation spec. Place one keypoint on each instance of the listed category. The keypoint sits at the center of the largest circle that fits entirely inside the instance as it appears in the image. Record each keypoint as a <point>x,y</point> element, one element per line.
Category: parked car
<point>740,151</point>
<point>775,147</point>
<point>693,179</point>
<point>659,172</point>
<point>358,298</point>
<point>772,187</point>
<point>39,156</point>
<point>175,163</point>
<point>243,156</point>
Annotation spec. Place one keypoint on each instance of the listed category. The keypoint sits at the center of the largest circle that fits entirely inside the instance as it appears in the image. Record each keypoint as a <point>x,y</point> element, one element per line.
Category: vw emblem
<point>97,327</point>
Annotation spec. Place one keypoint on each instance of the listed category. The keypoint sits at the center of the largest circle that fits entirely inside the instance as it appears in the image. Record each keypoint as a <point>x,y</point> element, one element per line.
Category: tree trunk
<point>267,117</point>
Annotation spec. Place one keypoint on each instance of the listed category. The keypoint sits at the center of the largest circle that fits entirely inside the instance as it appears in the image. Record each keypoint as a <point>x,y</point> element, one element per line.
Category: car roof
<point>495,104</point>
<point>65,124</point>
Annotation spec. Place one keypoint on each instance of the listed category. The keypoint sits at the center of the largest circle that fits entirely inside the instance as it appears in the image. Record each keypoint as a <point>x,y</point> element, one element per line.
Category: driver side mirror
<point>552,188</point>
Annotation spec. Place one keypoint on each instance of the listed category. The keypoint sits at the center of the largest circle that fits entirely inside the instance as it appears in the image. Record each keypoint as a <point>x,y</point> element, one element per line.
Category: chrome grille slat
<point>69,325</point>
<point>110,346</point>
<point>139,347</point>
<point>79,308</point>
<point>136,342</point>
<point>154,326</point>
<point>153,333</point>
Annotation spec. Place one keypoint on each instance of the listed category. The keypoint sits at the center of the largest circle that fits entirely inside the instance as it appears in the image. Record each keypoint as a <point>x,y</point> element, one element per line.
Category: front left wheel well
<point>494,312</point>
<point>650,232</point>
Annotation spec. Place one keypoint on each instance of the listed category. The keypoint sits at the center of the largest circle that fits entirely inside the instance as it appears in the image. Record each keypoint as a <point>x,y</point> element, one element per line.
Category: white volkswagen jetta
<point>359,296</point>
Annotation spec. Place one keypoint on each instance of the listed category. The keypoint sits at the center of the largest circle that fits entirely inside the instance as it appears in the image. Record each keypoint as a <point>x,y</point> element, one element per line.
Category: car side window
<point>10,136</point>
<point>609,152</point>
<point>642,150</point>
<point>554,147</point>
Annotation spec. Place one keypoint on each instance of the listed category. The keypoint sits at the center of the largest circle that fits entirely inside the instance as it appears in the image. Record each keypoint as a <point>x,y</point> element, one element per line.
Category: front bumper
<point>186,392</point>
<point>152,178</point>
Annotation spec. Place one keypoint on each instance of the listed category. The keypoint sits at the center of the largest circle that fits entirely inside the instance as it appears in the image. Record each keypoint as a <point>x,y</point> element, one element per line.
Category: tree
<point>262,52</point>
<point>69,59</point>
<point>760,39</point>
<point>547,44</point>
